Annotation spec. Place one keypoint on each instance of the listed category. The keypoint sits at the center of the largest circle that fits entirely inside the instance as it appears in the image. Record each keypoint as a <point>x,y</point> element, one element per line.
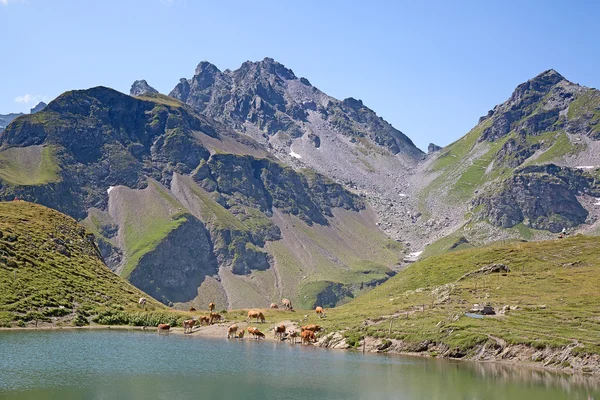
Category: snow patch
<point>110,188</point>
<point>295,155</point>
<point>412,257</point>
<point>597,203</point>
<point>586,167</point>
<point>402,195</point>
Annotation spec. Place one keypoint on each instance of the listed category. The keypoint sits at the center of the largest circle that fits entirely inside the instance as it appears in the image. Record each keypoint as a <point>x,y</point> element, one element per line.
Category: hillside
<point>526,170</point>
<point>189,210</point>
<point>51,271</point>
<point>546,306</point>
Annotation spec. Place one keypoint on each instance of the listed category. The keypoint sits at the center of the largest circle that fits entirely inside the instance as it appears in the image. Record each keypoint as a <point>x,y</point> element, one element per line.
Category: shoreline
<point>325,342</point>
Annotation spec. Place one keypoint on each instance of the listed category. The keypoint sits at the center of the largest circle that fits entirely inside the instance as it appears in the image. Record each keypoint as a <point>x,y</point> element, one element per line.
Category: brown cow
<point>192,309</point>
<point>287,304</point>
<point>311,327</point>
<point>258,334</point>
<point>308,337</point>
<point>274,306</point>
<point>214,317</point>
<point>241,334</point>
<point>163,328</point>
<point>251,330</point>
<point>231,331</point>
<point>211,306</point>
<point>188,325</point>
<point>320,312</point>
<point>256,314</point>
<point>279,331</point>
<point>204,319</point>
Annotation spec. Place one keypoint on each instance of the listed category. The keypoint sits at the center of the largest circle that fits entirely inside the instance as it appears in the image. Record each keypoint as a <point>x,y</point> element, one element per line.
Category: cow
<point>214,317</point>
<point>256,314</point>
<point>142,302</point>
<point>308,337</point>
<point>241,334</point>
<point>320,312</point>
<point>279,331</point>
<point>204,319</point>
<point>274,306</point>
<point>188,325</point>
<point>192,309</point>
<point>251,330</point>
<point>293,334</point>
<point>258,334</point>
<point>287,304</point>
<point>231,331</point>
<point>211,306</point>
<point>163,328</point>
<point>311,327</point>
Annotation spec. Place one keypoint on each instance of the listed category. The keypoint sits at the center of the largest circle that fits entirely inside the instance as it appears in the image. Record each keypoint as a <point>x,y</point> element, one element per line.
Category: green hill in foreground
<point>51,273</point>
<point>552,294</point>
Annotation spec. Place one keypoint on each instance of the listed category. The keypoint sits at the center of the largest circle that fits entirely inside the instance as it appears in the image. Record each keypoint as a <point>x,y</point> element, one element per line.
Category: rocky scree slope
<point>189,210</point>
<point>51,271</point>
<point>528,169</point>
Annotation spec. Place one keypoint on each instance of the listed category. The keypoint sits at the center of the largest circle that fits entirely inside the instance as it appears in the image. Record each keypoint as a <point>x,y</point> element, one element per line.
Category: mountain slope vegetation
<point>544,295</point>
<point>51,271</point>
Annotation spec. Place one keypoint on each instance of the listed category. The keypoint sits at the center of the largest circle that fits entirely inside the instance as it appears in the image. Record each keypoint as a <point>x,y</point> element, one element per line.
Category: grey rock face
<point>270,97</point>
<point>141,87</point>
<point>41,105</point>
<point>432,148</point>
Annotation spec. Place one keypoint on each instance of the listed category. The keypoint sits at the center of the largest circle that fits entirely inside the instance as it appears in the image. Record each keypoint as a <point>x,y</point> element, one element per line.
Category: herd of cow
<point>307,333</point>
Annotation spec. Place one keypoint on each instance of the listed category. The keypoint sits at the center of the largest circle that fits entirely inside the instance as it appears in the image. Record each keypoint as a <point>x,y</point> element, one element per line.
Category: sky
<point>430,68</point>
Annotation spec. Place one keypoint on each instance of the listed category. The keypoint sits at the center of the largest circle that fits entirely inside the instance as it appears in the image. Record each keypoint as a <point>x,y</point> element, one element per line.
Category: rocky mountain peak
<point>40,106</point>
<point>206,68</point>
<point>141,87</point>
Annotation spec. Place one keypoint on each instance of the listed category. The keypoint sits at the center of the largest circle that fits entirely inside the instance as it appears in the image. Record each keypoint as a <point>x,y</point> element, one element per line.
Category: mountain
<point>526,170</point>
<point>189,210</point>
<point>51,271</point>
<point>39,107</point>
<point>6,119</point>
<point>305,128</point>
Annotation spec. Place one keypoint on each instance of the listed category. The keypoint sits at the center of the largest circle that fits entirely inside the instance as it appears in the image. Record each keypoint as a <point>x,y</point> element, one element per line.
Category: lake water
<point>137,365</point>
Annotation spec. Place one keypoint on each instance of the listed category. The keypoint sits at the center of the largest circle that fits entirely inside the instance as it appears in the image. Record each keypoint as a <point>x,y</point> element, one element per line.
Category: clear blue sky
<point>431,68</point>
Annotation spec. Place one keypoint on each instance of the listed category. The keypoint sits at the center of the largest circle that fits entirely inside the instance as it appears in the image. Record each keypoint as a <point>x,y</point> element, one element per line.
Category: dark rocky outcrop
<point>542,197</point>
<point>175,269</point>
<point>432,148</point>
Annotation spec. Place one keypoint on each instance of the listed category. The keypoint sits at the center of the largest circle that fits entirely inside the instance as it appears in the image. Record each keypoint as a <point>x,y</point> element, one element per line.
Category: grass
<point>552,284</point>
<point>27,166</point>
<point>588,103</point>
<point>143,232</point>
<point>50,271</point>
<point>161,99</point>
<point>561,147</point>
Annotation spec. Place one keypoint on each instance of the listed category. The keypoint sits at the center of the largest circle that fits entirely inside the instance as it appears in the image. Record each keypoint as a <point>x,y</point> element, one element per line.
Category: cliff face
<point>181,205</point>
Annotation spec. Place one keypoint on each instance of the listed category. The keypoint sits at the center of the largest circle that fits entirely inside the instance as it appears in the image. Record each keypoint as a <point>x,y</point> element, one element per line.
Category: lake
<point>106,364</point>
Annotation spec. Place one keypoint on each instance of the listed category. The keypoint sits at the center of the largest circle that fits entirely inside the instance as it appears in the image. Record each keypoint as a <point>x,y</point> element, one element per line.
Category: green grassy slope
<point>33,165</point>
<point>552,287</point>
<point>51,271</point>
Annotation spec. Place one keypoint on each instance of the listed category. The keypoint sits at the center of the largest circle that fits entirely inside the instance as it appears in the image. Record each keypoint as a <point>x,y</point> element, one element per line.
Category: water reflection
<point>135,365</point>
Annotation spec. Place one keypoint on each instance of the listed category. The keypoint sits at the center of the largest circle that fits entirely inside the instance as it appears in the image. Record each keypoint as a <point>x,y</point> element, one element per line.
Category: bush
<point>80,320</point>
<point>353,338</point>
